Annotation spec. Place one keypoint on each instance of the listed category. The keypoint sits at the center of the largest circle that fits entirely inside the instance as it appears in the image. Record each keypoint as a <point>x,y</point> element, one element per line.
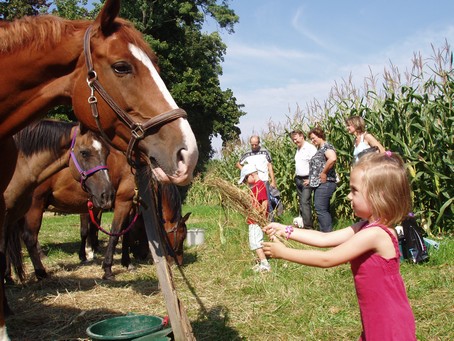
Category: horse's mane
<point>35,32</point>
<point>45,135</point>
<point>172,197</point>
<point>47,31</point>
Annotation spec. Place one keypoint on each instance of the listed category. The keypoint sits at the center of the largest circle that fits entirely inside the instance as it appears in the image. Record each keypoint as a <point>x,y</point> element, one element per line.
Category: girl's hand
<point>273,249</point>
<point>274,229</point>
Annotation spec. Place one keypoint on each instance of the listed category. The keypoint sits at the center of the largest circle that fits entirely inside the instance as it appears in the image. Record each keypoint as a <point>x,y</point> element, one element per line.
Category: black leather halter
<point>138,130</point>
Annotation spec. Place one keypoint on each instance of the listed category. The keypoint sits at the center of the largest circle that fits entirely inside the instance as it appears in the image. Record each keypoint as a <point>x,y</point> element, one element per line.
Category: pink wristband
<point>288,231</point>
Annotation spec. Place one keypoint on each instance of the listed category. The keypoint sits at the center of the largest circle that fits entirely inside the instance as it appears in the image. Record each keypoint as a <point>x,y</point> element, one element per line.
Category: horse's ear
<point>107,16</point>
<point>186,216</point>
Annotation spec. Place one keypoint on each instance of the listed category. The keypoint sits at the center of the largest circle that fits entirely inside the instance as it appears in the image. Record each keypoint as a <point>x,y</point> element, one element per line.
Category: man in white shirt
<point>261,159</point>
<point>305,151</point>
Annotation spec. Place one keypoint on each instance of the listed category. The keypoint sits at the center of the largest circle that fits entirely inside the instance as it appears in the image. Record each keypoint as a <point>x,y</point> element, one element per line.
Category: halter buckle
<point>138,132</point>
<point>92,100</point>
<point>91,77</point>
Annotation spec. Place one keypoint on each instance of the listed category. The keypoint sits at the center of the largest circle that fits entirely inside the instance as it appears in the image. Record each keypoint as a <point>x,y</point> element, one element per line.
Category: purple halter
<point>84,175</point>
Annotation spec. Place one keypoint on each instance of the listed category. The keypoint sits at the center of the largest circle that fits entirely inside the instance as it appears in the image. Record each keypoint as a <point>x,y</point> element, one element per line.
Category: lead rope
<point>136,201</point>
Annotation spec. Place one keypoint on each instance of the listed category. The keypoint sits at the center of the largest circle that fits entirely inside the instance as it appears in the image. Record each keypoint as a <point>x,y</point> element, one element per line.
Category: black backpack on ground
<point>412,242</point>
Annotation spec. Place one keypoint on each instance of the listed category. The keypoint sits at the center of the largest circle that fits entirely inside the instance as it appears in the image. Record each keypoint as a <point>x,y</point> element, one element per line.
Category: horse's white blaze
<point>140,55</point>
<point>188,135</point>
<point>106,174</point>
<point>97,146</point>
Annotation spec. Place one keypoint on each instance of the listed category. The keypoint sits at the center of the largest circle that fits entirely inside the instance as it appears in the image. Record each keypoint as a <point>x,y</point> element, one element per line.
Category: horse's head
<point>129,100</point>
<point>88,157</point>
<point>176,232</point>
<point>174,235</point>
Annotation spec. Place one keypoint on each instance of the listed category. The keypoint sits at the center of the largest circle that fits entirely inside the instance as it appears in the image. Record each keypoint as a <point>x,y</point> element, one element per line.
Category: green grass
<point>298,302</point>
<point>224,299</point>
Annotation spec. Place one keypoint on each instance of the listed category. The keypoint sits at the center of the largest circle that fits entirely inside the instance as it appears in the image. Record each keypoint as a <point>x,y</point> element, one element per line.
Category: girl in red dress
<point>380,195</point>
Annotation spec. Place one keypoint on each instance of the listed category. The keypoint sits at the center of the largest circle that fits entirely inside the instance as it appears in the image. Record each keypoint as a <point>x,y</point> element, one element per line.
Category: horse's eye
<point>122,68</point>
<point>85,153</point>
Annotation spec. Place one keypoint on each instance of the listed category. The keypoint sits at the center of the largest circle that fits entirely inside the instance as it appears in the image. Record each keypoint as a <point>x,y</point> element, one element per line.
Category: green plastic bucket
<point>127,327</point>
<point>161,335</point>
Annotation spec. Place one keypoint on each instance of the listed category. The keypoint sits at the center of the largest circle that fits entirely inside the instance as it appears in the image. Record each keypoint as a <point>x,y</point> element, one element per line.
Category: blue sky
<point>286,53</point>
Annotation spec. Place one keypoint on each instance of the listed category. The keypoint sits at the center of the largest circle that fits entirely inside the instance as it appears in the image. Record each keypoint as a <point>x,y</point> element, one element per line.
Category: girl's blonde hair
<point>357,122</point>
<point>386,186</point>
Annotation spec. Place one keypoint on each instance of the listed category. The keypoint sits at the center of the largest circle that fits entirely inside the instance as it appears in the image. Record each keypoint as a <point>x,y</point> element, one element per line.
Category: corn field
<point>410,113</point>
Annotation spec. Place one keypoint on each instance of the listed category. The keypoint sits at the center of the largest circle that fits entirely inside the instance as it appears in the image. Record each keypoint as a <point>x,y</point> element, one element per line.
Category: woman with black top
<point>322,177</point>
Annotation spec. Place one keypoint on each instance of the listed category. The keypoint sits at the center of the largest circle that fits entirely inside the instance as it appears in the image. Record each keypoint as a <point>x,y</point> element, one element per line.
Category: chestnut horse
<point>44,148</point>
<point>65,196</point>
<point>49,146</point>
<point>50,61</point>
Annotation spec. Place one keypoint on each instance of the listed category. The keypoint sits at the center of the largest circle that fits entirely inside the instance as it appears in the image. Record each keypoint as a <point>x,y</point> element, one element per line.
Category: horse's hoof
<point>40,274</point>
<point>108,277</point>
<point>90,255</point>
<point>131,267</point>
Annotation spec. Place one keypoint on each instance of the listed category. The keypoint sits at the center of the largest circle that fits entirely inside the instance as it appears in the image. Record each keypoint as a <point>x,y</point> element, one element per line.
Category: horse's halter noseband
<point>84,175</point>
<point>138,130</point>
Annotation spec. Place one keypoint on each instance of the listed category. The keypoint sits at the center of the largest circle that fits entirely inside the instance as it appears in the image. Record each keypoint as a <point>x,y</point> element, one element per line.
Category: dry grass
<point>235,198</point>
<point>63,306</point>
<point>238,200</point>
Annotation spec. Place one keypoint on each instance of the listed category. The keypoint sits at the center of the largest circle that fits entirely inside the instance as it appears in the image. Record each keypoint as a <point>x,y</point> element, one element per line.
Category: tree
<point>71,9</point>
<point>13,9</point>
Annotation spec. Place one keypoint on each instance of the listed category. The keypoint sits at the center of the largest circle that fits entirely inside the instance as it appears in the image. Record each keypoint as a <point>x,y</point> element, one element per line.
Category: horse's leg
<point>121,213</point>
<point>8,274</point>
<point>84,222</point>
<point>140,249</point>
<point>93,238</point>
<point>5,310</point>
<point>9,158</point>
<point>88,237</point>
<point>125,250</point>
<point>4,306</point>
<point>30,229</point>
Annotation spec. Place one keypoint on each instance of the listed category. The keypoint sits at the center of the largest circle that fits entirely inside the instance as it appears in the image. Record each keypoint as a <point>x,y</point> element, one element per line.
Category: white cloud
<point>298,25</point>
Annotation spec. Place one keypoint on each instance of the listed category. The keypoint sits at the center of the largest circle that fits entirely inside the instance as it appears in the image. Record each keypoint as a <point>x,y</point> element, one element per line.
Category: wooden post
<point>181,326</point>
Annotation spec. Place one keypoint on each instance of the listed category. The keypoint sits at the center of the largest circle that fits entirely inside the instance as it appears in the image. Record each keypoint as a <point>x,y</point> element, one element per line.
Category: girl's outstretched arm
<point>361,242</point>
<point>312,237</point>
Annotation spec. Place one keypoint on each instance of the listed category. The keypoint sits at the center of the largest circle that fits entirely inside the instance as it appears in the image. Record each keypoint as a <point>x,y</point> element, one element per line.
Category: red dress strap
<point>393,237</point>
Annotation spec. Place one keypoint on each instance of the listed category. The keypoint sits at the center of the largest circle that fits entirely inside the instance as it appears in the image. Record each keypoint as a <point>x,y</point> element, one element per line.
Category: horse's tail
<point>14,257</point>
